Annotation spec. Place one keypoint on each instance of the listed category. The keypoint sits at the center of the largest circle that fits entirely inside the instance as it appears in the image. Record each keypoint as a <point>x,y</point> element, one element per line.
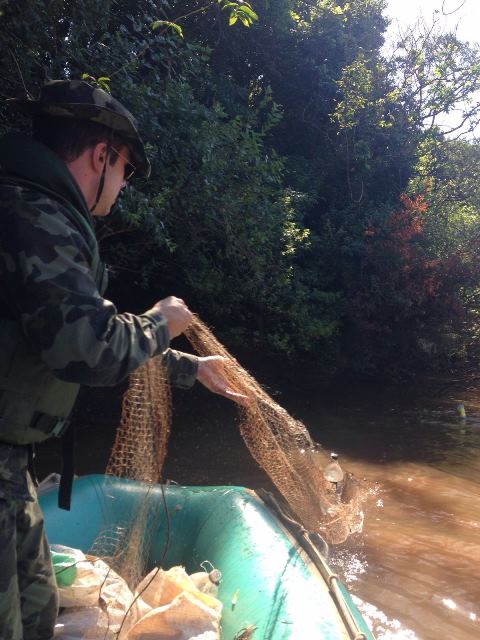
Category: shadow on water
<point>414,568</point>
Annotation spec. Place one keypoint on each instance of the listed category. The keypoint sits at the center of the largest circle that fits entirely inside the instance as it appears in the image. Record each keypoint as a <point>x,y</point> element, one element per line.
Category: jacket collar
<point>24,159</point>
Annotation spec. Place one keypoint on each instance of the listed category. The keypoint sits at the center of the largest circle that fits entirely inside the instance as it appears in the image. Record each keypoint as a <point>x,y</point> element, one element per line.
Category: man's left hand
<point>211,373</point>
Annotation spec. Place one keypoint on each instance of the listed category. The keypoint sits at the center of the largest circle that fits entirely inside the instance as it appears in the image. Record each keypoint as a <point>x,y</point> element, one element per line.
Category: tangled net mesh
<point>138,453</point>
<point>280,445</point>
<point>283,448</point>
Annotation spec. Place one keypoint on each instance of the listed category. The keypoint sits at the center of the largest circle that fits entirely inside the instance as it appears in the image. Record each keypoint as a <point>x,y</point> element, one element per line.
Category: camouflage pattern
<point>78,99</point>
<point>28,592</point>
<point>56,331</point>
<point>181,368</point>
<point>61,330</point>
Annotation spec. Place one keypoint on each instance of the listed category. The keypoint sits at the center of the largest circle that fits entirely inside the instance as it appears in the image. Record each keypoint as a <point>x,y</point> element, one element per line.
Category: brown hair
<point>70,137</point>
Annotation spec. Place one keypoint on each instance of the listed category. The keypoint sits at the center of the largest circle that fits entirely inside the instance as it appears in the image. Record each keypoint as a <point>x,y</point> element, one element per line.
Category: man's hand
<point>176,313</point>
<point>211,373</point>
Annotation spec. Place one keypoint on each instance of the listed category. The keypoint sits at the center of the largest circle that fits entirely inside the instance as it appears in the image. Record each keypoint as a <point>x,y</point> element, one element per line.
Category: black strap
<point>100,186</point>
<point>68,468</point>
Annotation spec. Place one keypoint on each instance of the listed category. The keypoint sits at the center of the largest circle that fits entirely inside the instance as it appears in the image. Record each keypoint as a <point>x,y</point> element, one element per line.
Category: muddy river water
<point>415,568</point>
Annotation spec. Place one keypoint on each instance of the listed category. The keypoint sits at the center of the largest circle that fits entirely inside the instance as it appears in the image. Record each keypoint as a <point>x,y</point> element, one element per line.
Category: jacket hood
<point>24,160</point>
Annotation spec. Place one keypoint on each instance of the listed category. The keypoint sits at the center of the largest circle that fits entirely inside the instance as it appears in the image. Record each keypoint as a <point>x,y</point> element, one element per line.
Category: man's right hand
<point>176,313</point>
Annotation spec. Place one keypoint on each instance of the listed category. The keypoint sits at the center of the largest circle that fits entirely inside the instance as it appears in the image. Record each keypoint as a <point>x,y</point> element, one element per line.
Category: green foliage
<point>166,23</point>
<point>103,82</point>
<point>281,154</point>
<point>242,12</point>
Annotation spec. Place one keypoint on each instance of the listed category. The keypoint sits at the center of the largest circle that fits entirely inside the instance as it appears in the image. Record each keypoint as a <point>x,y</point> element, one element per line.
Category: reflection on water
<point>414,570</point>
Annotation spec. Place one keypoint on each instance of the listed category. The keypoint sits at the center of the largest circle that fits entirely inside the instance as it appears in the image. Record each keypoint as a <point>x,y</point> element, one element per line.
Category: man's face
<point>114,180</point>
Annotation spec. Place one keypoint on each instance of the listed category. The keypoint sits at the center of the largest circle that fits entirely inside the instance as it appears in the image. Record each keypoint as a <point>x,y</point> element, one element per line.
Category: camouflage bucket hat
<point>78,99</point>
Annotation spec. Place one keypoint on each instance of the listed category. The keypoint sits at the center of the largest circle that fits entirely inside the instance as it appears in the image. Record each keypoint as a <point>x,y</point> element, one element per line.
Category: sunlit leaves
<point>103,82</point>
<point>238,11</point>
<point>241,11</point>
<point>171,25</point>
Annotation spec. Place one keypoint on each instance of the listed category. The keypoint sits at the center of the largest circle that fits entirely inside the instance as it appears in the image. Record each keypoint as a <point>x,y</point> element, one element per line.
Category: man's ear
<point>99,156</point>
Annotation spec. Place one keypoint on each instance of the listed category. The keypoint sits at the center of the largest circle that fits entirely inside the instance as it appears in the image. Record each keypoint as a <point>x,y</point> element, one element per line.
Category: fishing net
<point>283,448</point>
<point>138,453</point>
<point>280,444</point>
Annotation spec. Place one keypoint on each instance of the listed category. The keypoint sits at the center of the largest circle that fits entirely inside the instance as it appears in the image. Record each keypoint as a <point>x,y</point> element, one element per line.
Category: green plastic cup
<point>64,568</point>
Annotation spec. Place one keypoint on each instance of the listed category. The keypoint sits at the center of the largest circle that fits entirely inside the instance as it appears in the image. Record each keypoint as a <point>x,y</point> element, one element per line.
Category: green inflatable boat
<point>276,582</point>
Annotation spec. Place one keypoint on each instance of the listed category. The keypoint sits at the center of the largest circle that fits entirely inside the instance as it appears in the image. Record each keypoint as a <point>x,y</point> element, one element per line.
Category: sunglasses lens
<point>129,168</point>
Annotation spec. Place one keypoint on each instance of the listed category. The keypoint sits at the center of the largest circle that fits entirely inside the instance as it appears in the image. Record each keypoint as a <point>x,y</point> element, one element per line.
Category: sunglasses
<point>129,168</point>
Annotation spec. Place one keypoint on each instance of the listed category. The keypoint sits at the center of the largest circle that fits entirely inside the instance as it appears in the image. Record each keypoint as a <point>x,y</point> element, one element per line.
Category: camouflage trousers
<point>28,593</point>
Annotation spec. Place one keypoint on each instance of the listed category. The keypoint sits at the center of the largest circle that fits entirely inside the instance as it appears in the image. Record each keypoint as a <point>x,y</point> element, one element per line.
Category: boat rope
<point>300,530</point>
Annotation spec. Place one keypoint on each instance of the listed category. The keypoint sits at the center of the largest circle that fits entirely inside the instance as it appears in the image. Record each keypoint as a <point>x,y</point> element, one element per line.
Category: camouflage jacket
<point>51,289</point>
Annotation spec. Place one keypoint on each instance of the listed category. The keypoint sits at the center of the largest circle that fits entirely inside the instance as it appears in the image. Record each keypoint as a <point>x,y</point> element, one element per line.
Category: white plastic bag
<point>84,591</point>
<point>164,586</point>
<point>102,619</point>
<point>186,618</point>
<point>174,606</point>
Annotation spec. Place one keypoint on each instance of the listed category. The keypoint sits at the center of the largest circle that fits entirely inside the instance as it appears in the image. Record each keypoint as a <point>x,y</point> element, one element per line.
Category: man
<point>57,331</point>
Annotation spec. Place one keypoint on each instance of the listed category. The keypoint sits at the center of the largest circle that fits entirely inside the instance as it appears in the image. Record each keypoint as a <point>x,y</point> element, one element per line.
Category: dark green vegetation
<point>303,199</point>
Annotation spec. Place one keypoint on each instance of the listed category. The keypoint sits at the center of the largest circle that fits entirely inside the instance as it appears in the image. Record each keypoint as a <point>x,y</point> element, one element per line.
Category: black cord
<point>162,557</point>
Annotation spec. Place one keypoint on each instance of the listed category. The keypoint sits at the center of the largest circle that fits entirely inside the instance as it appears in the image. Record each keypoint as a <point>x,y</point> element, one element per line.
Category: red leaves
<point>399,280</point>
<point>405,225</point>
